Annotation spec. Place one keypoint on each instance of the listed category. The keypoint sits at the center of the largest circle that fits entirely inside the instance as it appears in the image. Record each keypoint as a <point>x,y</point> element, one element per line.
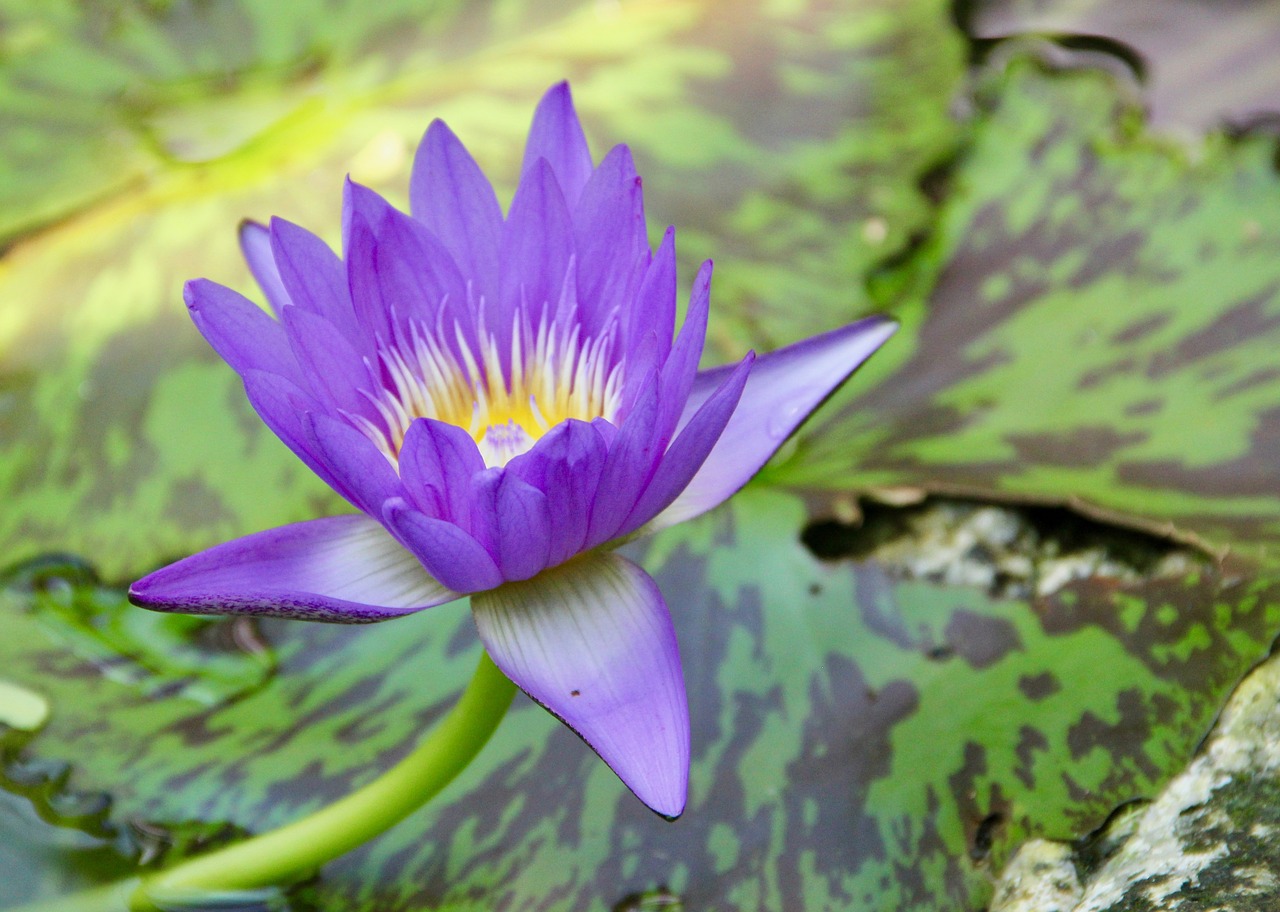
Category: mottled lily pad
<point>787,142</point>
<point>1094,321</point>
<point>162,655</point>
<point>860,738</point>
<point>1201,64</point>
<point>99,99</point>
<point>1088,319</point>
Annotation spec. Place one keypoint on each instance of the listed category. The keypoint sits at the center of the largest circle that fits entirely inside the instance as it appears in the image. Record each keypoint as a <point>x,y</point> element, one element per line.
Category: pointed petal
<point>557,136</point>
<point>537,248</point>
<point>334,370</point>
<point>363,281</point>
<point>344,569</point>
<point>366,474</point>
<point>284,408</point>
<point>255,244</point>
<point>509,516</point>
<point>316,280</point>
<point>449,554</point>
<point>242,333</point>
<point>450,195</point>
<point>682,366</point>
<point>397,270</point>
<point>628,467</point>
<point>784,388</point>
<point>592,641</point>
<point>642,360</point>
<point>524,528</point>
<point>437,463</point>
<point>565,465</point>
<point>655,308</point>
<point>610,238</point>
<point>689,450</point>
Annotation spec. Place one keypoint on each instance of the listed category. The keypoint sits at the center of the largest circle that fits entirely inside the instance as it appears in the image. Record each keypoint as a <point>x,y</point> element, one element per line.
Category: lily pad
<point>162,655</point>
<point>1094,321</point>
<point>135,445</point>
<point>1088,319</point>
<point>860,738</point>
<point>98,100</point>
<point>1201,64</point>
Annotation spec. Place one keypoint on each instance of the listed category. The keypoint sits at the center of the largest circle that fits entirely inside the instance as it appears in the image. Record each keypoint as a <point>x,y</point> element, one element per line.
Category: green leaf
<point>1201,65</point>
<point>773,140</point>
<point>850,727</point>
<point>163,655</point>
<point>1094,321</point>
<point>1089,320</point>
<point>99,100</point>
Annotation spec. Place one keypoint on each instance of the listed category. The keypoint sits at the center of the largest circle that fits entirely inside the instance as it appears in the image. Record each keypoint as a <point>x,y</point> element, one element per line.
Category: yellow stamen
<point>554,375</point>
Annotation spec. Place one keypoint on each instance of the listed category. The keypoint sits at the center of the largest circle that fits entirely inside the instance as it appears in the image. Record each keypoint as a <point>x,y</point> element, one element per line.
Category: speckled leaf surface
<point>1199,64</point>
<point>1088,319</point>
<point>96,98</point>
<point>133,444</point>
<point>860,740</point>
<point>1094,321</point>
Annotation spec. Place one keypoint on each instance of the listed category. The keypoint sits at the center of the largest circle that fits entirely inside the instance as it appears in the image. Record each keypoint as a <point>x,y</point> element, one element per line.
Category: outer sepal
<point>784,388</point>
<point>343,569</point>
<point>592,641</point>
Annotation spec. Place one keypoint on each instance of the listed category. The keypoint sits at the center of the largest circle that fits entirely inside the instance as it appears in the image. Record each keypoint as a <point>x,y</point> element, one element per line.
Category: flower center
<point>552,375</point>
<point>499,443</point>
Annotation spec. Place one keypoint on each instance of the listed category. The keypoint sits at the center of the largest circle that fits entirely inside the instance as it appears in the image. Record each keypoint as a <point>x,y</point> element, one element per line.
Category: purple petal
<point>628,467</point>
<point>285,409</point>
<point>510,517</point>
<point>682,366</point>
<point>241,332</point>
<point>314,276</point>
<point>785,386</point>
<point>556,135</point>
<point>334,371</point>
<point>641,361</point>
<point>607,431</point>
<point>524,531</point>
<point>592,641</point>
<point>654,310</point>
<point>366,474</point>
<point>397,270</point>
<point>450,195</point>
<point>359,204</point>
<point>449,554</point>
<point>689,450</point>
<point>611,239</point>
<point>437,463</point>
<point>483,503</point>
<point>537,247</point>
<point>345,569</point>
<point>362,280</point>
<point>565,464</point>
<point>255,244</point>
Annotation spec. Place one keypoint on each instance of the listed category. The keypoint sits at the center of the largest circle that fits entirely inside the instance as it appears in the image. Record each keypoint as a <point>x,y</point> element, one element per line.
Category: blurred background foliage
<point>1073,209</point>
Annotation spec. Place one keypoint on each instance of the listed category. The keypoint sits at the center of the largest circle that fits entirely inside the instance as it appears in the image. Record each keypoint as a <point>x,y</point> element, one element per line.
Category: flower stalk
<point>295,850</point>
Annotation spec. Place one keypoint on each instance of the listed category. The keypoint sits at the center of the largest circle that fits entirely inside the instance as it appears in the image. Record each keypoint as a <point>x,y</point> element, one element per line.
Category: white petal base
<point>592,641</point>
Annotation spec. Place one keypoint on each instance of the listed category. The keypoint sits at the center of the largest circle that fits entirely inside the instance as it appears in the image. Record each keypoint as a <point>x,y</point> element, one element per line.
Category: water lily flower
<point>504,400</point>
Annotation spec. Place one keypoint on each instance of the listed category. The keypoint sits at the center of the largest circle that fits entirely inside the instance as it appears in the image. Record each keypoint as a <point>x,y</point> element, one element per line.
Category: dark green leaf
<point>1094,321</point>
<point>859,739</point>
<point>1201,64</point>
<point>786,143</point>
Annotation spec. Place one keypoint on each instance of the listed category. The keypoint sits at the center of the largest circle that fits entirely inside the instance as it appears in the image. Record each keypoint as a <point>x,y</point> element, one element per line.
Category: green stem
<point>281,856</point>
<point>112,897</point>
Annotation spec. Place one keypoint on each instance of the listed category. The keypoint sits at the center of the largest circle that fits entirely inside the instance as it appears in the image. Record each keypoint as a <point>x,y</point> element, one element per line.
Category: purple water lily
<point>503,400</point>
